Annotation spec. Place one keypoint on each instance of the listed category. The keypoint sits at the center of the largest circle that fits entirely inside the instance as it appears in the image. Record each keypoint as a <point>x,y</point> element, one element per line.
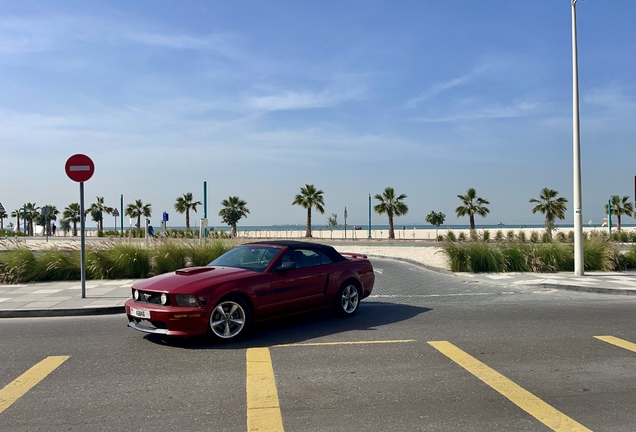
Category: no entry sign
<point>79,168</point>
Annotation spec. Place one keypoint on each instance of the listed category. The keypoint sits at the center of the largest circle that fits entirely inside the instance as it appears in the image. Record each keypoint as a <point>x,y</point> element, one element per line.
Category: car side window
<point>305,258</point>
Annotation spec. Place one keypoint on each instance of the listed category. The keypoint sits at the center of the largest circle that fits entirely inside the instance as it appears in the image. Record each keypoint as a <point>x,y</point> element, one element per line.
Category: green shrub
<point>630,258</point>
<point>486,235</point>
<point>168,256</point>
<point>522,236</point>
<point>571,236</point>
<point>534,237</point>
<point>632,236</point>
<point>546,237</point>
<point>117,261</point>
<point>462,236</point>
<point>440,238</point>
<point>515,257</point>
<point>599,255</point>
<point>561,237</point>
<point>499,237</point>
<point>457,256</point>
<point>56,265</point>
<point>203,254</point>
<point>451,236</point>
<point>510,236</point>
<point>555,257</point>
<point>17,266</point>
<point>623,236</point>
<point>473,257</point>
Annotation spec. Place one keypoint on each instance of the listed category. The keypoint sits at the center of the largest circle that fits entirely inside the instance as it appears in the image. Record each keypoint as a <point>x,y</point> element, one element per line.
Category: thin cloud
<point>487,112</point>
<point>299,100</point>
<point>438,88</point>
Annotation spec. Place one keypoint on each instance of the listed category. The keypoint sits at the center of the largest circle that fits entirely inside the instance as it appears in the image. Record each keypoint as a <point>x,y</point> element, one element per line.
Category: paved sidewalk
<point>621,283</point>
<point>64,298</point>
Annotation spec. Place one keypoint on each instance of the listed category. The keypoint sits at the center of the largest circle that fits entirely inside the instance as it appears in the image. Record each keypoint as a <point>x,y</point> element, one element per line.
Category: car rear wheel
<point>348,299</point>
<point>229,319</point>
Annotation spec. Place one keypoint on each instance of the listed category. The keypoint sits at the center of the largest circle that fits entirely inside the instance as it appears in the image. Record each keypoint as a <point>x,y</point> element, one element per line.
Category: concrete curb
<point>40,313</point>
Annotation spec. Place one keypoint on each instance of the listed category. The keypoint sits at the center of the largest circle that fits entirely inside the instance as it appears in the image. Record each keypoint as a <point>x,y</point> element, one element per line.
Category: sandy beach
<point>412,234</point>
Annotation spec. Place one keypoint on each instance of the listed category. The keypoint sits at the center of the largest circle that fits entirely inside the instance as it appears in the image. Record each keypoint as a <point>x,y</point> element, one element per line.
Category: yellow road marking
<point>344,343</point>
<point>618,342</point>
<point>263,408</point>
<point>25,382</point>
<point>525,400</point>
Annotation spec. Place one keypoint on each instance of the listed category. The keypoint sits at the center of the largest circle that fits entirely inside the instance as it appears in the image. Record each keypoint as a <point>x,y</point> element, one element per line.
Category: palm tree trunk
<point>74,229</point>
<point>472,222</point>
<point>233,230</point>
<point>187,220</point>
<point>308,232</point>
<point>618,222</point>
<point>391,231</point>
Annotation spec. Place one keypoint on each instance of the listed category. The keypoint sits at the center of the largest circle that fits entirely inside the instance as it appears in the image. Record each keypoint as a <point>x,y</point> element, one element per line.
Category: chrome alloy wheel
<point>350,299</point>
<point>227,319</point>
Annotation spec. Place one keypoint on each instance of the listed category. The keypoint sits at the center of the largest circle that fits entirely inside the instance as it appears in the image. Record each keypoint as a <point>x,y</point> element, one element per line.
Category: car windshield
<point>248,257</point>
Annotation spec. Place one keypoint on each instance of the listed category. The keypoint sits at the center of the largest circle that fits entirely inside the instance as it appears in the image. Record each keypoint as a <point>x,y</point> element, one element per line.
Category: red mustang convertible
<point>252,282</point>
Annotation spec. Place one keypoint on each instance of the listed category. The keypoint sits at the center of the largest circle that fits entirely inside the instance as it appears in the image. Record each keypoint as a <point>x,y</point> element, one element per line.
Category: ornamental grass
<point>106,260</point>
<point>475,256</point>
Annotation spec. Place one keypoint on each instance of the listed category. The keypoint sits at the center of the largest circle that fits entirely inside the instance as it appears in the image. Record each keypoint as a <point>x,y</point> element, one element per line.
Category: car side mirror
<point>289,265</point>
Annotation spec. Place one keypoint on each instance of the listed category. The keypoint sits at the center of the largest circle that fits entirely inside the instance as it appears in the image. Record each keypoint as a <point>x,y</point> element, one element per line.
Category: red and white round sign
<point>79,168</point>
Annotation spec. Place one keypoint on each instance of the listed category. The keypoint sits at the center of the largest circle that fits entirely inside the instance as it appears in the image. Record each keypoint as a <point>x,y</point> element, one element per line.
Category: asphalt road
<point>428,351</point>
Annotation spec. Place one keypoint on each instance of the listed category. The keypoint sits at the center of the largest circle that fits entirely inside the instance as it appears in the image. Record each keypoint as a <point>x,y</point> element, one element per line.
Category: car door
<point>304,283</point>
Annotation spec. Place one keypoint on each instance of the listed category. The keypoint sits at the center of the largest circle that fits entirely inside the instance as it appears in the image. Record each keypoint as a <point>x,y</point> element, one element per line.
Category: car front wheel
<point>348,299</point>
<point>229,319</point>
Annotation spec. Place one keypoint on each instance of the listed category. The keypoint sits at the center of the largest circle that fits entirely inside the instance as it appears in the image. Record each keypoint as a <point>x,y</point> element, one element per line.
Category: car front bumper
<point>166,320</point>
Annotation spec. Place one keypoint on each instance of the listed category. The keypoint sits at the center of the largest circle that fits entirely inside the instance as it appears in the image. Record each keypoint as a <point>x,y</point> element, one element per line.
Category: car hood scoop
<point>194,270</point>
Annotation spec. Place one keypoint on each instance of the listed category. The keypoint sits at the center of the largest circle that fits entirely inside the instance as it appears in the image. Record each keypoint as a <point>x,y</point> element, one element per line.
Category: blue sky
<point>260,98</point>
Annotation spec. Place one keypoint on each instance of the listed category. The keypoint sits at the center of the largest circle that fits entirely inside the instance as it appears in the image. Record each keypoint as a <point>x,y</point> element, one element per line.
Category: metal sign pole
<point>82,241</point>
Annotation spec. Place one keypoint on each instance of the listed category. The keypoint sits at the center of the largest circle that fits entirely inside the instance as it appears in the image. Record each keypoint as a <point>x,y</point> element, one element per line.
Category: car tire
<point>230,319</point>
<point>348,299</point>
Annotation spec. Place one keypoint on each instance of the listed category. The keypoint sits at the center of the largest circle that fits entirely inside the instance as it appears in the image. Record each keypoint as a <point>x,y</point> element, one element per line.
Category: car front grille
<point>150,297</point>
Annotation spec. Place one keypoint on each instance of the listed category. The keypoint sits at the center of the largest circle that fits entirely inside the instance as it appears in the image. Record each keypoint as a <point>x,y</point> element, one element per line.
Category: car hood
<point>191,279</point>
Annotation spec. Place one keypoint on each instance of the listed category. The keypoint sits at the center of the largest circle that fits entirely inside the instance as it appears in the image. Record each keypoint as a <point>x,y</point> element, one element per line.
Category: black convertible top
<point>294,244</point>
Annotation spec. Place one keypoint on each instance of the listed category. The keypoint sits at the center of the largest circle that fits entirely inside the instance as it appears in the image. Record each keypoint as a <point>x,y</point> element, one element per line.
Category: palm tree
<point>551,206</point>
<point>138,209</point>
<point>16,214</point>
<point>65,226</point>
<point>472,204</point>
<point>97,210</point>
<point>310,197</point>
<point>3,216</point>
<point>32,213</point>
<point>184,205</point>
<point>45,220</point>
<point>233,210</point>
<point>620,207</point>
<point>391,205</point>
<point>73,214</point>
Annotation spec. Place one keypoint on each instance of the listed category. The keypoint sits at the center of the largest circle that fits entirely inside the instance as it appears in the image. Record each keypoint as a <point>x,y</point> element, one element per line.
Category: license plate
<point>140,313</point>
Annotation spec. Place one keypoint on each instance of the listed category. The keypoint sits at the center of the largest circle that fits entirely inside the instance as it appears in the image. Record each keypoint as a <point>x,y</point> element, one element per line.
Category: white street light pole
<point>578,216</point>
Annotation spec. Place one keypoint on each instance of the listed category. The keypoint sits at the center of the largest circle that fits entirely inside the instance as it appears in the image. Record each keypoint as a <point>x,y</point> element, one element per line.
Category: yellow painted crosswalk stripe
<point>25,382</point>
<point>263,408</point>
<point>618,342</point>
<point>525,400</point>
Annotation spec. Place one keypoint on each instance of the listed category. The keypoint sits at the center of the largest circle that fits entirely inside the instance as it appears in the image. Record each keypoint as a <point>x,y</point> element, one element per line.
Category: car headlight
<point>136,294</point>
<point>186,300</point>
<point>164,299</point>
